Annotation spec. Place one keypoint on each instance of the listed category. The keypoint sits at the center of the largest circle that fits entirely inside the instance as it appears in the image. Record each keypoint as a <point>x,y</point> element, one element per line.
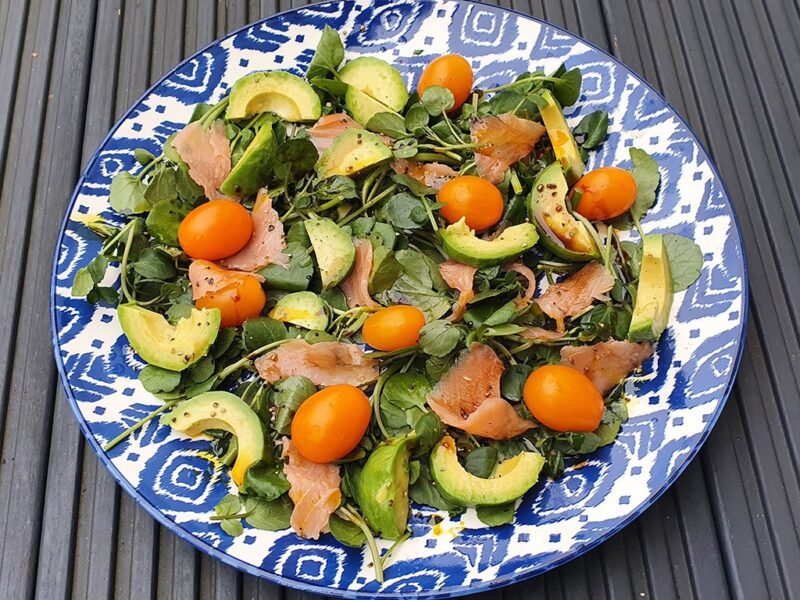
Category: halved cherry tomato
<point>473,198</point>
<point>451,71</point>
<point>242,300</point>
<point>331,423</point>
<point>216,229</point>
<point>608,192</point>
<point>563,399</point>
<point>393,328</point>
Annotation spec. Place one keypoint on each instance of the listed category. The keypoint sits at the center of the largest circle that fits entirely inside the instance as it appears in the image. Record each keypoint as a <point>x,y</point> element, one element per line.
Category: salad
<point>364,296</point>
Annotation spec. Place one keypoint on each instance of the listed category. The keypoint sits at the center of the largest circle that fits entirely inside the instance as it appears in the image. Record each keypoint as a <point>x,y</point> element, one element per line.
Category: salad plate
<point>672,404</point>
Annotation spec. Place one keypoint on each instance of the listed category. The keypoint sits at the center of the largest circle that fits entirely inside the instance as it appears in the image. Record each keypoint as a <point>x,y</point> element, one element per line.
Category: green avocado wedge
<point>279,92</point>
<point>377,79</point>
<point>460,243</point>
<point>654,293</point>
<point>251,172</point>
<point>351,152</point>
<point>304,309</point>
<point>333,249</point>
<point>561,233</point>
<point>225,411</point>
<point>382,489</point>
<point>510,480</point>
<point>172,347</point>
<point>564,145</point>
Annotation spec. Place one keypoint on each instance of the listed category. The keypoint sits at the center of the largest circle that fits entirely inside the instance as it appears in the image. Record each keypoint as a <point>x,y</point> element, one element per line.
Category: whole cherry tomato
<point>393,328</point>
<point>216,229</point>
<point>607,192</point>
<point>450,71</point>
<point>474,198</point>
<point>563,399</point>
<point>331,423</point>
<point>242,299</point>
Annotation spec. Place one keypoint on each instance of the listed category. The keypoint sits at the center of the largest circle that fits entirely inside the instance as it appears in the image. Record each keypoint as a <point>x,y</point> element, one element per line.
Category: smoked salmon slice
<point>504,140</point>
<point>530,277</point>
<point>468,397</point>
<point>208,154</point>
<point>572,296</point>
<point>207,277</point>
<point>328,127</point>
<point>459,277</point>
<point>325,363</point>
<point>433,174</point>
<point>314,490</point>
<point>606,363</point>
<point>267,244</point>
<point>356,286</point>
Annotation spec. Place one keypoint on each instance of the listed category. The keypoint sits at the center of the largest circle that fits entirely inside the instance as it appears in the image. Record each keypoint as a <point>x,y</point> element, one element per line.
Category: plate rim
<point>475,587</point>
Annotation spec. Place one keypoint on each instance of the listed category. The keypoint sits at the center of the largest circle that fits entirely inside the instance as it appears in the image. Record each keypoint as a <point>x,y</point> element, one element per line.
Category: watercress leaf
<point>346,532</point>
<point>439,338</point>
<point>239,148</point>
<point>314,336</point>
<point>413,471</point>
<point>232,527</point>
<point>481,461</point>
<point>385,270</point>
<point>293,277</point>
<point>416,188</point>
<point>634,252</point>
<point>567,89</point>
<point>332,86</point>
<point>154,264</point>
<point>416,118</point>
<point>403,401</point>
<point>404,211</point>
<point>607,321</point>
<point>504,329</point>
<point>513,381</point>
<point>334,298</point>
<point>229,505</point>
<point>513,101</point>
<point>201,388</point>
<point>383,234</point>
<point>155,379</point>
<point>437,99</point>
<point>297,234</point>
<point>82,283</point>
<point>685,261</point>
<point>645,173</point>
<point>264,481</point>
<point>201,370</point>
<point>164,219</point>
<point>501,514</point>
<point>295,158</point>
<point>516,211</point>
<point>127,194</point>
<point>328,55</point>
<point>338,186</point>
<point>162,186</point>
<point>405,148</point>
<point>437,366</point>
<point>609,428</point>
<point>388,123</point>
<point>502,315</point>
<point>361,227</point>
<point>261,331</point>
<point>169,150</point>
<point>186,187</point>
<point>420,285</point>
<point>592,129</point>
<point>143,156</point>
<point>199,111</point>
<point>269,515</point>
<point>178,311</point>
<point>289,395</point>
<point>428,430</point>
<point>104,294</point>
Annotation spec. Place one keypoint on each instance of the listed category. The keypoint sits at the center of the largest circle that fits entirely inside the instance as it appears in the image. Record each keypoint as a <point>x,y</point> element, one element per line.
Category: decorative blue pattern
<point>673,404</point>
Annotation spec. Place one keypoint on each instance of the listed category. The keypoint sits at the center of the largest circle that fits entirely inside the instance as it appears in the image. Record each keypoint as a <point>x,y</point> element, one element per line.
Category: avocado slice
<point>172,347</point>
<point>279,92</point>
<point>377,79</point>
<point>510,480</point>
<point>304,309</point>
<point>352,151</point>
<point>225,411</point>
<point>561,233</point>
<point>382,488</point>
<point>251,172</point>
<point>564,145</point>
<point>461,244</point>
<point>654,293</point>
<point>334,250</point>
<point>363,107</point>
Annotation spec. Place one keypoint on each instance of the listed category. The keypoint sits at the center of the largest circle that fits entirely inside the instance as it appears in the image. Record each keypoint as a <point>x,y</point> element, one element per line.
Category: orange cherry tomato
<point>393,328</point>
<point>563,399</point>
<point>331,423</point>
<point>474,198</point>
<point>608,192</point>
<point>241,300</point>
<point>216,229</point>
<point>451,71</point>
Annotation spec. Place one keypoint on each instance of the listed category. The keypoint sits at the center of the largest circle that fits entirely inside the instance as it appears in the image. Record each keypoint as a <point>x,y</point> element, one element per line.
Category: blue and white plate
<point>673,404</point>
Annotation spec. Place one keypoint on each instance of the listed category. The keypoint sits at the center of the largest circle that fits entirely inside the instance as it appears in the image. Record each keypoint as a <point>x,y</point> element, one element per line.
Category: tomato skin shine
<point>330,424</point>
<point>237,302</point>
<point>563,399</point>
<point>393,328</point>
<point>475,199</point>
<point>450,71</point>
<point>215,230</point>
<point>607,192</point>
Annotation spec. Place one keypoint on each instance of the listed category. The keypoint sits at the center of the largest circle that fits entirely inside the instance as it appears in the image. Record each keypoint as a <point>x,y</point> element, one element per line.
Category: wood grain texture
<point>727,528</point>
